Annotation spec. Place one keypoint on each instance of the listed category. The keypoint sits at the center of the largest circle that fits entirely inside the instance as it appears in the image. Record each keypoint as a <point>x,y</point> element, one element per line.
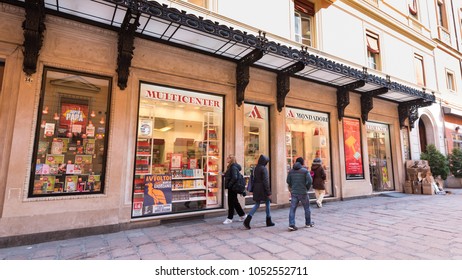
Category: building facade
<point>121,113</point>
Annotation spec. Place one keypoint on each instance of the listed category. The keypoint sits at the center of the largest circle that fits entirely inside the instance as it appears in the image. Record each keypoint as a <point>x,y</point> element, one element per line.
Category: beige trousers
<point>319,196</point>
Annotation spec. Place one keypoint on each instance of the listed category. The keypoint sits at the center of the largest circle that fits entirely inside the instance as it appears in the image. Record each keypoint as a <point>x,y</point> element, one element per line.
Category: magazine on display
<point>71,183</point>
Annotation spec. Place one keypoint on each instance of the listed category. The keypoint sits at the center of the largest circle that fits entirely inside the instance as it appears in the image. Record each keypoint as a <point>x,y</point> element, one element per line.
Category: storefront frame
<point>222,145</point>
<point>390,175</point>
<point>330,189</point>
<point>106,132</point>
<point>248,200</point>
<point>357,147</point>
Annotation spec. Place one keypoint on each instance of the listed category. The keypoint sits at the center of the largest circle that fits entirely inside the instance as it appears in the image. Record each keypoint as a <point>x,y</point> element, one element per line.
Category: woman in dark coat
<point>261,191</point>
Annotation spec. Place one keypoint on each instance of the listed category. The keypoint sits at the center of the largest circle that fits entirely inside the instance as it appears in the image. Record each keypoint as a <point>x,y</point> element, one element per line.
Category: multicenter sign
<point>179,96</point>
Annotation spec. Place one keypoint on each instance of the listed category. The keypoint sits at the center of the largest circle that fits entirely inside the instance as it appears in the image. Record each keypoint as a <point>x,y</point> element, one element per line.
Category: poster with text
<point>157,194</point>
<point>74,116</point>
<point>352,145</point>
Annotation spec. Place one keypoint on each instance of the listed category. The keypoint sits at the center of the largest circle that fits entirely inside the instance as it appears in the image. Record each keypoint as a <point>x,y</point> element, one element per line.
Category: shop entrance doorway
<point>378,146</point>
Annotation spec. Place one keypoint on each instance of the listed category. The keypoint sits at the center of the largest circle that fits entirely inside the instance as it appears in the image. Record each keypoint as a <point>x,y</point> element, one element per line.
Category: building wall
<point>75,46</point>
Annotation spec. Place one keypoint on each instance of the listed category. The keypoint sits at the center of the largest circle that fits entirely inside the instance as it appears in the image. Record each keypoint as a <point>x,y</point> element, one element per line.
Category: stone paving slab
<point>391,227</point>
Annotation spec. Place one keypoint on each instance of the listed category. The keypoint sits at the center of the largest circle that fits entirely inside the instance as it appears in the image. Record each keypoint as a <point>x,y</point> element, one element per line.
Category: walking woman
<point>231,177</point>
<point>319,181</point>
<point>261,191</point>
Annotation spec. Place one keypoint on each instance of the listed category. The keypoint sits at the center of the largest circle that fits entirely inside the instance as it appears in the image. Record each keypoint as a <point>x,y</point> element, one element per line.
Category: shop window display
<point>71,134</point>
<point>178,155</point>
<point>256,138</point>
<point>307,136</point>
<point>380,164</point>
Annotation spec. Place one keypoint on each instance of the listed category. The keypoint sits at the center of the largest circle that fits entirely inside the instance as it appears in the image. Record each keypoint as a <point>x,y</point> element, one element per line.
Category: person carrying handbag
<point>231,178</point>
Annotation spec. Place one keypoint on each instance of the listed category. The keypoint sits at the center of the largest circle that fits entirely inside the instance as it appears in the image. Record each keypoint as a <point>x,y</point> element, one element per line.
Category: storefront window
<point>378,146</point>
<point>178,152</point>
<point>457,140</point>
<point>71,135</point>
<point>256,138</point>
<point>307,136</point>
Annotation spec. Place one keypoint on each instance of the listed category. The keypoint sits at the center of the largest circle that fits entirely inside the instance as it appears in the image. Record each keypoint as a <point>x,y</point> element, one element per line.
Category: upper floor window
<point>419,70</point>
<point>373,51</point>
<point>450,81</point>
<point>457,139</point>
<point>304,22</point>
<point>441,13</point>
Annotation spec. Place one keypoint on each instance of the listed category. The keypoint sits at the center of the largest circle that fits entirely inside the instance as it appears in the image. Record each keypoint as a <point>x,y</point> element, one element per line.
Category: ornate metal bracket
<point>409,110</point>
<point>34,26</point>
<point>367,102</point>
<point>243,73</point>
<point>343,96</point>
<point>126,46</point>
<point>283,82</point>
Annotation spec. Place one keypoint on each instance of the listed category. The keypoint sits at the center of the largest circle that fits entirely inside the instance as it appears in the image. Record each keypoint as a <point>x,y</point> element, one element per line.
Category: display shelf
<point>188,189</point>
<point>187,178</point>
<point>189,200</point>
<point>211,157</point>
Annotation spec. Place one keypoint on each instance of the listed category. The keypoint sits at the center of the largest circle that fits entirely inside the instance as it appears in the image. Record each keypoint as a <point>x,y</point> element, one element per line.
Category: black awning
<point>169,25</point>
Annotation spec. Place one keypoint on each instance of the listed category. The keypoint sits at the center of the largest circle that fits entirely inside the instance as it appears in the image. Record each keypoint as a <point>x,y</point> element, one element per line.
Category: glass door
<point>378,145</point>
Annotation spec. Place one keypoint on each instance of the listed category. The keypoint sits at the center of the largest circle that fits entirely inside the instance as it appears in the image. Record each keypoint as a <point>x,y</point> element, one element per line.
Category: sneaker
<point>227,221</point>
<point>319,204</point>
<point>310,225</point>
<point>243,217</point>
<point>293,228</point>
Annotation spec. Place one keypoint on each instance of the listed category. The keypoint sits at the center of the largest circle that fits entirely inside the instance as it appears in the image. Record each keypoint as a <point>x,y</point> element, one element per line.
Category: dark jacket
<point>299,179</point>
<point>319,177</point>
<point>231,175</point>
<point>261,187</point>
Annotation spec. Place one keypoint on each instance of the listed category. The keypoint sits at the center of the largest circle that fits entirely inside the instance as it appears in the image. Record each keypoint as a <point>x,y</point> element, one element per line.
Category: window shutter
<point>372,44</point>
<point>305,7</point>
<point>413,8</point>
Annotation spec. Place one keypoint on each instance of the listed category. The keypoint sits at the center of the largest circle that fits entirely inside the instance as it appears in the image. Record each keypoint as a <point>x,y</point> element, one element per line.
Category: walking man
<point>299,181</point>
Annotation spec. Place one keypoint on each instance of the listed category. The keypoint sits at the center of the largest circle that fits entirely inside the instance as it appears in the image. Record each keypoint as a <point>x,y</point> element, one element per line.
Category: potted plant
<point>438,163</point>
<point>455,166</point>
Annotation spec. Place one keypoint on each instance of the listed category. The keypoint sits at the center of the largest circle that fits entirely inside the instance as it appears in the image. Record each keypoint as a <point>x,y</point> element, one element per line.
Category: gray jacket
<point>299,179</point>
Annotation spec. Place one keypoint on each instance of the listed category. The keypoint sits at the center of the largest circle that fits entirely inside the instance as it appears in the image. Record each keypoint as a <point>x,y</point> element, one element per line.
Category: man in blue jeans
<point>299,181</point>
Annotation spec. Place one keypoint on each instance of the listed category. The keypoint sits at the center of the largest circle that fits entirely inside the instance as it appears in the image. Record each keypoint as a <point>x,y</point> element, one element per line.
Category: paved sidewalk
<point>399,227</point>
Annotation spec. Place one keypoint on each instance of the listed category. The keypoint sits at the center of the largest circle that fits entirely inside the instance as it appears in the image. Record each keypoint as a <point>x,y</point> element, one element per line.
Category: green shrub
<point>438,162</point>
<point>455,162</point>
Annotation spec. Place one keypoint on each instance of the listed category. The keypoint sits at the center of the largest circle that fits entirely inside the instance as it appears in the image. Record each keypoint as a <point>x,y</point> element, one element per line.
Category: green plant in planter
<point>438,162</point>
<point>455,162</point>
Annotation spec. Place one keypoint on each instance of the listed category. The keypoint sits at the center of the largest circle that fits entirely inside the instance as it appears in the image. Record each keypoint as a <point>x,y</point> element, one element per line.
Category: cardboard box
<point>416,163</point>
<point>424,171</point>
<point>408,187</point>
<point>411,173</point>
<point>427,188</point>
